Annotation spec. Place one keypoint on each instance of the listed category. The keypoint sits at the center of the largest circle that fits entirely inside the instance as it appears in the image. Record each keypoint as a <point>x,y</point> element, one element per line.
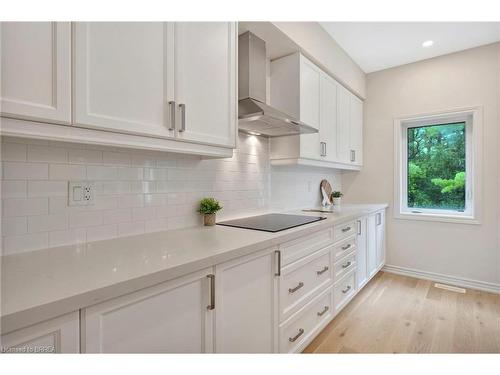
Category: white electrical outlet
<point>80,193</point>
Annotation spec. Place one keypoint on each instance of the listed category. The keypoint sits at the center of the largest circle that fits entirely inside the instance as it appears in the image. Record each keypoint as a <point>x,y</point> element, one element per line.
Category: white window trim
<point>474,148</point>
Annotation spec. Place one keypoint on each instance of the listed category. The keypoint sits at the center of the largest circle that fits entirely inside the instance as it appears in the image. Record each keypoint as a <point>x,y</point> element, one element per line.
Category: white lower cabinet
<point>361,253</point>
<point>245,304</point>
<point>172,317</point>
<point>58,335</point>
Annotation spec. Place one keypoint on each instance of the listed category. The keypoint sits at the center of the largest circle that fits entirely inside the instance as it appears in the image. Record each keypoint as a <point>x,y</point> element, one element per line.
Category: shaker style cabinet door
<point>36,71</point>
<point>245,304</point>
<point>361,252</point>
<point>356,134</point>
<point>380,221</point>
<point>206,82</point>
<point>123,77</point>
<point>343,125</point>
<point>58,335</point>
<point>328,118</point>
<point>172,317</point>
<point>372,245</point>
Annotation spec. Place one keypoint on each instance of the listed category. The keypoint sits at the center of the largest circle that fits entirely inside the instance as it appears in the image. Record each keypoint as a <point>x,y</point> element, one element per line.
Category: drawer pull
<point>346,229</point>
<point>346,289</point>
<point>322,271</point>
<point>346,265</point>
<point>293,290</point>
<point>321,313</point>
<point>294,338</point>
<point>346,246</point>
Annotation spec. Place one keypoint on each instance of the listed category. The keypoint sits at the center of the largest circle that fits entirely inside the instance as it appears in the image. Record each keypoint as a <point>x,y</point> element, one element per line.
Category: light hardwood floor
<point>399,314</point>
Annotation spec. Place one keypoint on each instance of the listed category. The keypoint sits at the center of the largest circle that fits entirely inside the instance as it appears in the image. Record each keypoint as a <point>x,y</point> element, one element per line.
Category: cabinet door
<point>171,317</point>
<point>245,304</point>
<point>343,124</point>
<point>380,234</point>
<point>356,131</point>
<point>206,81</point>
<point>59,335</point>
<point>36,71</point>
<point>361,252</point>
<point>328,118</point>
<point>372,245</point>
<point>123,76</point>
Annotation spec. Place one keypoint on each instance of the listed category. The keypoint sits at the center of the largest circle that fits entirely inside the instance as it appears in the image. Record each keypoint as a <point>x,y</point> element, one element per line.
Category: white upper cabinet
<point>36,71</point>
<point>302,89</point>
<point>172,317</point>
<point>123,76</point>
<point>206,82</point>
<point>356,131</point>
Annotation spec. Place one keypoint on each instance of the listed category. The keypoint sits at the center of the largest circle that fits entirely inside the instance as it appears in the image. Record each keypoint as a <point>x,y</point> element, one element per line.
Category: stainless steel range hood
<point>255,116</point>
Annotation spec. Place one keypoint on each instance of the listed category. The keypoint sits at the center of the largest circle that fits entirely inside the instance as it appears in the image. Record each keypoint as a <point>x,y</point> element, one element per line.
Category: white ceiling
<point>381,45</point>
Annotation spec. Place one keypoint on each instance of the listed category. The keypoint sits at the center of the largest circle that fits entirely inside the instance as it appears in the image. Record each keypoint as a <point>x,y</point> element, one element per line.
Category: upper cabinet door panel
<point>356,136</point>
<point>205,82</point>
<point>36,71</point>
<point>343,125</point>
<point>328,117</point>
<point>123,76</point>
<point>309,93</point>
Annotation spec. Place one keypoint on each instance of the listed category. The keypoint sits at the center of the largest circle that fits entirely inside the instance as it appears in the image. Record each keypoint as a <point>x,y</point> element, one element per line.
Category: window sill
<point>437,218</point>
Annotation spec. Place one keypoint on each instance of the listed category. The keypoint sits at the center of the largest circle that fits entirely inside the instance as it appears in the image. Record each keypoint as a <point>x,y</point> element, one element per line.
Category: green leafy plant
<point>337,194</point>
<point>209,206</point>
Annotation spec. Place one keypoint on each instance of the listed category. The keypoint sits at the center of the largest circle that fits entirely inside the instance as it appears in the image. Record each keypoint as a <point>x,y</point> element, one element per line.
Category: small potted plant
<point>336,198</point>
<point>208,207</point>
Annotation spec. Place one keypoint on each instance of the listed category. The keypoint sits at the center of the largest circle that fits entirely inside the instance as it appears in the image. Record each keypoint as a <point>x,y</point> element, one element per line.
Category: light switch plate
<point>80,193</point>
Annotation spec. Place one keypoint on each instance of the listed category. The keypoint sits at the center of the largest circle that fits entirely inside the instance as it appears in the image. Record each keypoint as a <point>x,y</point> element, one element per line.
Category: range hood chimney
<point>255,116</point>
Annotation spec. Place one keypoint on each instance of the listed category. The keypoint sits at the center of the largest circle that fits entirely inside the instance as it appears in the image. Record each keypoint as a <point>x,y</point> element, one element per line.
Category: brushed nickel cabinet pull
<point>294,338</point>
<point>359,227</point>
<point>278,254</point>
<point>346,265</point>
<point>171,105</point>
<point>353,155</point>
<point>346,289</point>
<point>322,271</point>
<point>293,290</point>
<point>347,229</point>
<point>211,279</point>
<point>346,246</point>
<point>183,117</point>
<point>379,218</point>
<point>321,313</point>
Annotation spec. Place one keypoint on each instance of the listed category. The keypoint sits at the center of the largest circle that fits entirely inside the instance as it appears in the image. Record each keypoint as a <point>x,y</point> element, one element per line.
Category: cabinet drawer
<point>343,248</point>
<point>344,266</point>
<point>296,249</point>
<point>344,290</point>
<point>300,280</point>
<point>306,323</point>
<point>345,230</point>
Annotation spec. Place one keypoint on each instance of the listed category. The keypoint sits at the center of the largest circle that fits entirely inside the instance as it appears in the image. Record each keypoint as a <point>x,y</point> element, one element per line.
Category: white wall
<point>464,79</point>
<point>320,47</point>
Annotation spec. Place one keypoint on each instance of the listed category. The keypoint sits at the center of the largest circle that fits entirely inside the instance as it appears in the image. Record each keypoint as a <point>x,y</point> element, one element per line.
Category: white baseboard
<point>452,280</point>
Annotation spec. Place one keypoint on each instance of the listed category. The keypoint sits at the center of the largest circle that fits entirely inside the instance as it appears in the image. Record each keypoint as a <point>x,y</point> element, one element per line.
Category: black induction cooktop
<point>272,222</point>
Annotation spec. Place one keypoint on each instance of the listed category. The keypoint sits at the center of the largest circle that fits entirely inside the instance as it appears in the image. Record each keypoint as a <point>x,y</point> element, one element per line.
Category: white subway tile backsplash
<point>37,153</point>
<point>102,232</point>
<point>25,171</point>
<point>13,152</point>
<point>136,191</point>
<point>47,188</point>
<point>46,223</point>
<point>13,189</point>
<point>12,226</point>
<point>79,156</point>
<point>102,173</point>
<point>25,207</point>
<point>67,172</point>
<point>67,237</point>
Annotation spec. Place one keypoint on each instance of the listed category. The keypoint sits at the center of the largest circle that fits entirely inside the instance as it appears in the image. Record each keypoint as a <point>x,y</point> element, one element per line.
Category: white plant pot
<point>337,201</point>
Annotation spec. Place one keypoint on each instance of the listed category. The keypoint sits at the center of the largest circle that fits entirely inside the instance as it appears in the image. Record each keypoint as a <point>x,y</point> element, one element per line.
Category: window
<point>436,168</point>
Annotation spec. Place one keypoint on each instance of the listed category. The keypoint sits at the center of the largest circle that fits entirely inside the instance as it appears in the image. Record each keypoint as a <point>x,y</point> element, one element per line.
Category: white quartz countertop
<point>43,284</point>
